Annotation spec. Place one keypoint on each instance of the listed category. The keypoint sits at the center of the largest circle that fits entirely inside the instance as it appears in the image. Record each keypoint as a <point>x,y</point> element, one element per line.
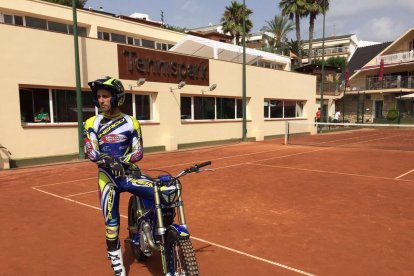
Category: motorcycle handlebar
<point>197,167</point>
<point>192,169</point>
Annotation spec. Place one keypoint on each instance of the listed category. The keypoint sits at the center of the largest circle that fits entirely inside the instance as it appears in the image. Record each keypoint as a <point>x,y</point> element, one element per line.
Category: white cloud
<point>382,29</point>
<point>189,6</point>
<point>369,19</point>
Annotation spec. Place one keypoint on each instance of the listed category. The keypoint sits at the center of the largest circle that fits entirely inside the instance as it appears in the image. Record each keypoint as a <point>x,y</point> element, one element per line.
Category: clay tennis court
<point>267,209</point>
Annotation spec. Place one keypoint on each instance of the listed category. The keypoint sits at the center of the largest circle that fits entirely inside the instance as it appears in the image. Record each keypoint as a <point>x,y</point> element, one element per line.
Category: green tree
<point>279,27</point>
<point>232,20</point>
<point>339,62</point>
<point>313,9</point>
<point>79,3</point>
<point>295,9</point>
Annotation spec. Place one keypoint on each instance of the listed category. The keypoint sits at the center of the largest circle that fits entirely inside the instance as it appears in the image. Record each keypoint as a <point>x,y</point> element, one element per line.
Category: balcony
<point>397,57</point>
<point>388,82</point>
<point>329,88</point>
<point>332,51</point>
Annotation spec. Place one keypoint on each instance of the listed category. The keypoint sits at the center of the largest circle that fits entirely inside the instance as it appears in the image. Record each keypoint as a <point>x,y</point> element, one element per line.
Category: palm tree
<point>279,27</point>
<point>232,20</point>
<point>292,46</point>
<point>314,8</point>
<point>295,9</point>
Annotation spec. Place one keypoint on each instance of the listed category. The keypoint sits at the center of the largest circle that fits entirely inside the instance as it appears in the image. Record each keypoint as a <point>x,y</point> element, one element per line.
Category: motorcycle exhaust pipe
<point>146,229</point>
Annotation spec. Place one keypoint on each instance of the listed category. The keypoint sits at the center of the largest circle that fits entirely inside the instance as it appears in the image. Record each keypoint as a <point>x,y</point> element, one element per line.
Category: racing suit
<point>117,136</point>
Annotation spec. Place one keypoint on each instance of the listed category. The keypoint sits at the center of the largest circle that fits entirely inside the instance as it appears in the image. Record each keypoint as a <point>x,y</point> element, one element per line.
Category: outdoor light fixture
<point>211,88</point>
<point>140,82</point>
<point>180,85</point>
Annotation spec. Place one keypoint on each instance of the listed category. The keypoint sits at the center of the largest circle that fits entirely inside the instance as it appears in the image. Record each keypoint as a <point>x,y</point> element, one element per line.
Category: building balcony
<point>331,51</point>
<point>397,57</point>
<point>387,83</point>
<point>329,88</point>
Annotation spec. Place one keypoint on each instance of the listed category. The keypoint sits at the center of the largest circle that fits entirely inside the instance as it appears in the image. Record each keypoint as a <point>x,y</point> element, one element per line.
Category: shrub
<point>392,113</point>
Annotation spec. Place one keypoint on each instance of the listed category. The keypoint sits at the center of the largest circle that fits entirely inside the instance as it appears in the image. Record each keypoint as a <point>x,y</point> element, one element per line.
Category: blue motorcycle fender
<point>180,230</point>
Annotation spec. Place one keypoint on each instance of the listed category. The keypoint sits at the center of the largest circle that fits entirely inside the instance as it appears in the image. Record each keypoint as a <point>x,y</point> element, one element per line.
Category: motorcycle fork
<point>181,215</point>
<point>160,228</point>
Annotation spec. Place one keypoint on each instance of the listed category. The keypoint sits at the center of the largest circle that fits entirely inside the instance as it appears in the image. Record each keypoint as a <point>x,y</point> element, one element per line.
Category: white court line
<point>270,158</point>
<point>331,172</point>
<point>220,158</point>
<point>255,257</point>
<point>195,238</point>
<point>84,193</point>
<point>65,182</point>
<point>68,199</point>
<point>404,174</point>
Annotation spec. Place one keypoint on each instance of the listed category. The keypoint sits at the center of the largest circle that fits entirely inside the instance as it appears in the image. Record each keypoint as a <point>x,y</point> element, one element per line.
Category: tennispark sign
<point>161,66</point>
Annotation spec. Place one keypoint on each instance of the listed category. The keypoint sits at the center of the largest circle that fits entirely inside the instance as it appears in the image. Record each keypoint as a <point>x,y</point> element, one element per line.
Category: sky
<point>370,20</point>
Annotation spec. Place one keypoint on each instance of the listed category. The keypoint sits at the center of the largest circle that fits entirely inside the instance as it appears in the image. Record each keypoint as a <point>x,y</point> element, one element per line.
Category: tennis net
<point>377,136</point>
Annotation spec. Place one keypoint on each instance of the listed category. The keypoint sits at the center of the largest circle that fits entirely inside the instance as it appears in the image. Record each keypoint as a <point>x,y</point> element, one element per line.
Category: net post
<point>286,132</point>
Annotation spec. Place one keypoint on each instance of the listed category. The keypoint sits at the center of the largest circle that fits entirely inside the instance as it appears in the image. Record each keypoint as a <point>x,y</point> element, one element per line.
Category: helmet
<point>112,85</point>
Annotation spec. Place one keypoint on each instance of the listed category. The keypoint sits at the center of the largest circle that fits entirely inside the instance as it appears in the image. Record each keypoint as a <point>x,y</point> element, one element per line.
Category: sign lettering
<point>161,66</point>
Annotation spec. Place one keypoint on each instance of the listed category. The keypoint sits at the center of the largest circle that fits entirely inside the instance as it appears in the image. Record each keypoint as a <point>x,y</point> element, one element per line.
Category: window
<point>58,27</point>
<point>12,19</point>
<point>65,107</point>
<point>204,108</point>
<point>186,108</point>
<point>283,109</point>
<point>137,41</point>
<point>81,30</point>
<point>118,38</point>
<point>269,65</point>
<point>163,46</point>
<point>32,102</point>
<point>138,106</point>
<point>127,106</point>
<point>142,107</point>
<point>18,20</point>
<point>289,109</point>
<point>276,109</point>
<point>36,23</point>
<point>226,108</point>
<point>103,36</point>
<point>210,108</point>
<point>8,19</point>
<point>41,24</point>
<point>148,43</point>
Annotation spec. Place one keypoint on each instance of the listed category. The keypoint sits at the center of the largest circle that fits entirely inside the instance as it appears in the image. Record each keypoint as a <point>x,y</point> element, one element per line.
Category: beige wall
<point>42,58</point>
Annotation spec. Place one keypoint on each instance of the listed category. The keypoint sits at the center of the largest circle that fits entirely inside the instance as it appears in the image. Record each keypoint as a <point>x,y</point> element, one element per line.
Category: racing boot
<point>117,262</point>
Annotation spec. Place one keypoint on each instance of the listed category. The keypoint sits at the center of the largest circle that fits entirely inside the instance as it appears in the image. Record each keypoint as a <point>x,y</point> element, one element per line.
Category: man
<point>336,116</point>
<point>318,115</point>
<point>113,140</point>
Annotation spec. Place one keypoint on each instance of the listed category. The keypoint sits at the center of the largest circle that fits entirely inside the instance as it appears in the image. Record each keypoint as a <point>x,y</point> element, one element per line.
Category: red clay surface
<point>267,209</point>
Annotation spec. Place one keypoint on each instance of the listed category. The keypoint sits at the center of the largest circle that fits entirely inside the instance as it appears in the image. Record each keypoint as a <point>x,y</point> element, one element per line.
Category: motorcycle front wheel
<point>181,259</point>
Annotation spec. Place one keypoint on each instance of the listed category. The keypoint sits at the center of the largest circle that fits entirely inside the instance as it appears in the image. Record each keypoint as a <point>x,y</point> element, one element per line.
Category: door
<point>378,109</point>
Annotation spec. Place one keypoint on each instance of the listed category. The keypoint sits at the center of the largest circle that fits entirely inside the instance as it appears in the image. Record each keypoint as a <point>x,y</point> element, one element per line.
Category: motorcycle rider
<point>113,140</point>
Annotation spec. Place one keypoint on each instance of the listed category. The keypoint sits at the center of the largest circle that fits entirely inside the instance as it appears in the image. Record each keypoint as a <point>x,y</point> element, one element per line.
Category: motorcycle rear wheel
<point>133,212</point>
<point>181,259</point>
